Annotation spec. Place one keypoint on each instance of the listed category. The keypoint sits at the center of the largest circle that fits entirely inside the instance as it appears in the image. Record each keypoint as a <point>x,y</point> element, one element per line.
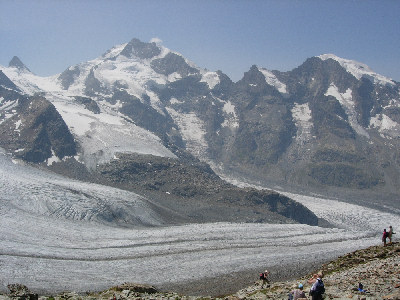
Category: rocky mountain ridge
<point>330,124</point>
<point>184,189</point>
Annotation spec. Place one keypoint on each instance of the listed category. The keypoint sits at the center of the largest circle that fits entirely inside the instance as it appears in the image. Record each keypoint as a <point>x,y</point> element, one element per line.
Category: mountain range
<point>144,118</point>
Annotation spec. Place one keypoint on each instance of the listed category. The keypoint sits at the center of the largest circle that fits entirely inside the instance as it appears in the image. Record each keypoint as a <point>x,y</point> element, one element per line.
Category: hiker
<point>318,288</point>
<point>361,288</point>
<point>384,236</point>
<point>297,293</point>
<point>312,279</point>
<point>390,234</point>
<point>264,277</point>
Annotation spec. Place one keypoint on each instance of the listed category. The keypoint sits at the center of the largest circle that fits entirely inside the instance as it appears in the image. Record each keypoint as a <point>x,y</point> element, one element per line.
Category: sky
<point>227,35</point>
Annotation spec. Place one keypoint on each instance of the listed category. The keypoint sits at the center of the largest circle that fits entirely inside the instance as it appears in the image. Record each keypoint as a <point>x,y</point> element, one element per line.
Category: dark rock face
<point>17,63</point>
<point>172,63</point>
<point>93,86</point>
<point>89,104</point>
<point>199,193</point>
<point>68,77</point>
<point>266,126</point>
<point>141,50</point>
<point>6,83</point>
<point>36,132</point>
<point>30,127</point>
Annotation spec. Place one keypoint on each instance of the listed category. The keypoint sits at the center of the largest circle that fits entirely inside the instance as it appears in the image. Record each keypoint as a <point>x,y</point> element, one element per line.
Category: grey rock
<point>68,77</point>
<point>140,49</point>
<point>172,63</point>
<point>17,63</point>
<point>41,131</point>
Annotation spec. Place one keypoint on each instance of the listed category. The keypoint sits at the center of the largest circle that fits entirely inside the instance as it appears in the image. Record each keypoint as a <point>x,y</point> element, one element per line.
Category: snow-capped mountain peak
<point>141,97</point>
<point>140,49</point>
<point>358,69</point>
<point>15,62</point>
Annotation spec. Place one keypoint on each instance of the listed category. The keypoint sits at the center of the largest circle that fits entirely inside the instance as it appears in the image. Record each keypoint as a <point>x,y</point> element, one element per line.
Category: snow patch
<point>271,79</point>
<point>175,101</point>
<point>155,102</point>
<point>17,125</point>
<point>358,69</point>
<point>192,130</point>
<point>232,120</point>
<point>302,117</point>
<point>385,125</point>
<point>113,52</point>
<point>53,158</point>
<point>211,78</point>
<point>346,100</point>
<point>8,105</point>
<point>157,41</point>
<point>174,77</point>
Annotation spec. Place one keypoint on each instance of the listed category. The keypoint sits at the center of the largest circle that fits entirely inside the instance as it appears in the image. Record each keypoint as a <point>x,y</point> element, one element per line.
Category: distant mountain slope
<point>101,145</point>
<point>330,122</point>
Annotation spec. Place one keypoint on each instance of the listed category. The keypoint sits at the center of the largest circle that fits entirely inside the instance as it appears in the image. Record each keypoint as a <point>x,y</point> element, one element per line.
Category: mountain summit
<point>17,63</point>
<point>331,122</point>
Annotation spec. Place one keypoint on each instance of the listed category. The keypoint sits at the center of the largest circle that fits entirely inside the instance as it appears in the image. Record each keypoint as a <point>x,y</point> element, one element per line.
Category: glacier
<point>60,234</point>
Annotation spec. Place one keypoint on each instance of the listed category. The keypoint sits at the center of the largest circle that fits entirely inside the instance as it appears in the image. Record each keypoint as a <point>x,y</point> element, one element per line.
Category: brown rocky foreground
<point>377,268</point>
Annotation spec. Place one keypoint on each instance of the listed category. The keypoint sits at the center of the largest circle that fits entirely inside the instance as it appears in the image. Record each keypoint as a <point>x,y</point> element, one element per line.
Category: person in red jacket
<point>264,277</point>
<point>384,236</point>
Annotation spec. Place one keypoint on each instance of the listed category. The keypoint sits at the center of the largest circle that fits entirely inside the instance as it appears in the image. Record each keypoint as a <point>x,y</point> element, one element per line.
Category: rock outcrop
<point>34,131</point>
<point>193,189</point>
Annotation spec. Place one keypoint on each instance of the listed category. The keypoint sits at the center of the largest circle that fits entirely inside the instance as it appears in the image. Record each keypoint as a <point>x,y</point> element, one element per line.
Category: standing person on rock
<point>384,236</point>
<point>390,234</point>
<point>312,279</point>
<point>318,288</point>
<point>264,277</point>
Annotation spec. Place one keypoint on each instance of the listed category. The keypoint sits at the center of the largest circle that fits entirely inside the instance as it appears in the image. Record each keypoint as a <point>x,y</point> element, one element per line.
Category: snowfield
<point>358,69</point>
<point>102,135</point>
<point>59,234</point>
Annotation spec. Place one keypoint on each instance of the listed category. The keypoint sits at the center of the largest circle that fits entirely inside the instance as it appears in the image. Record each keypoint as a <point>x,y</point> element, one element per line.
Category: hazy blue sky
<point>230,36</point>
